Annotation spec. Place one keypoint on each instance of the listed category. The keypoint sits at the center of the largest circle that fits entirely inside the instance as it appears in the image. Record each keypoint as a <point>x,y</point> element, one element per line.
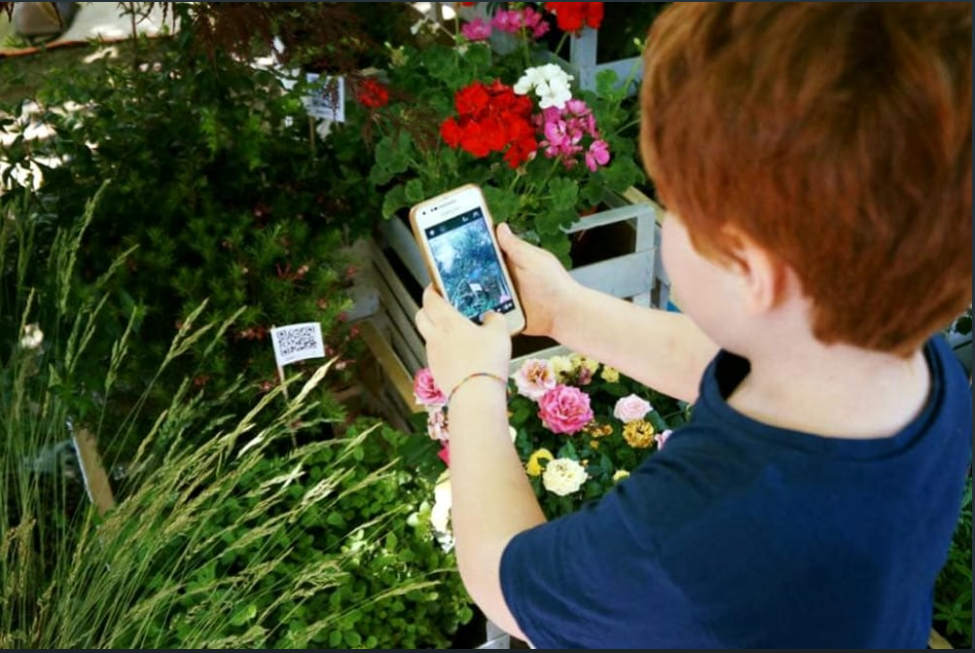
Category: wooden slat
<point>391,364</point>
<point>96,480</point>
<point>399,304</point>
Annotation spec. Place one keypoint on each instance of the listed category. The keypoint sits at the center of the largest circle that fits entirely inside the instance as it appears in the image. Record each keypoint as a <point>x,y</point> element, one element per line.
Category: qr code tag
<point>326,101</point>
<point>297,342</point>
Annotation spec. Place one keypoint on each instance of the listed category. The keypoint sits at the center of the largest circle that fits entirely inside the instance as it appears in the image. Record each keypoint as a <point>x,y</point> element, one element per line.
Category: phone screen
<point>463,251</point>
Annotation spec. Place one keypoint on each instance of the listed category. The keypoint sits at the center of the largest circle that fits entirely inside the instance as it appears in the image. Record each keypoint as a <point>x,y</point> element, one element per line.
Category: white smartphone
<point>456,235</point>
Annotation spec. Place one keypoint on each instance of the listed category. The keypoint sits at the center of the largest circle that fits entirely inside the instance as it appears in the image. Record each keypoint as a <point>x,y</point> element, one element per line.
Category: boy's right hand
<point>543,285</point>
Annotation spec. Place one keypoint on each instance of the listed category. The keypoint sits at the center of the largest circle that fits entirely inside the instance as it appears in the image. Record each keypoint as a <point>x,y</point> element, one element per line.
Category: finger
<point>424,325</point>
<point>438,310</point>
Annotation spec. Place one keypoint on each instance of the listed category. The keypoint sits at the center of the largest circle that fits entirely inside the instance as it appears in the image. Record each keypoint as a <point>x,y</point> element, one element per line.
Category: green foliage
<point>410,161</point>
<point>219,540</point>
<point>218,193</point>
<point>953,592</point>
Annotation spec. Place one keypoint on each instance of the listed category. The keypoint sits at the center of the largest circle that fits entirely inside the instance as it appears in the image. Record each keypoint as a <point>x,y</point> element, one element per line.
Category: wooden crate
<point>399,275</point>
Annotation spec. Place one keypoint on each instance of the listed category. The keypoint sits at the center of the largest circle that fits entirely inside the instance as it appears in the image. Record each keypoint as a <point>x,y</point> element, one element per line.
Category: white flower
<point>32,337</point>
<point>440,513</point>
<point>513,433</point>
<point>564,476</point>
<point>549,82</point>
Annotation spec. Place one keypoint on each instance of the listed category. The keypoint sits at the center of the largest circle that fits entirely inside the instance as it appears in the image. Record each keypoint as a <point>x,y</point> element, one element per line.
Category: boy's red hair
<point>837,136</point>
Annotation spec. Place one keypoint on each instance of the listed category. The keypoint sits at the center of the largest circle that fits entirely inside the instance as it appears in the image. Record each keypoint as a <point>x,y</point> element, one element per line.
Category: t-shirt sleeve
<point>592,580</point>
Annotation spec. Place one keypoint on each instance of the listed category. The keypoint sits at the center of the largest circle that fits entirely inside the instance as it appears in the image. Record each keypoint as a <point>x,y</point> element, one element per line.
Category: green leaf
<point>557,243</point>
<point>565,195</point>
<point>243,615</point>
<point>335,639</point>
<point>521,414</point>
<point>568,451</point>
<point>336,519</point>
<point>606,82</point>
<point>414,191</point>
<point>394,201</point>
<point>502,204</point>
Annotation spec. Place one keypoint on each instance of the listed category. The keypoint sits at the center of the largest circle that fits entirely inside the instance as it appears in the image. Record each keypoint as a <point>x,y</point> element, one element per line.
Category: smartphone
<point>456,235</point>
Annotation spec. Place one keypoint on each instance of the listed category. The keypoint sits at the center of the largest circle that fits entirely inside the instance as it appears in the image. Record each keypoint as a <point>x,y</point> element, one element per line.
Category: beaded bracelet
<point>475,375</point>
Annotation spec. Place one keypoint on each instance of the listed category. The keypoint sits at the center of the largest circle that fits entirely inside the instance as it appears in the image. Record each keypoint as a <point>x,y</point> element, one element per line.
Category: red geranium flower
<point>372,94</point>
<point>573,16</point>
<point>491,119</point>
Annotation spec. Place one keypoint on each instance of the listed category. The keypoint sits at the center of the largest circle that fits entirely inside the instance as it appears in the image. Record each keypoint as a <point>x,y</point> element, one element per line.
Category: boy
<point>815,160</point>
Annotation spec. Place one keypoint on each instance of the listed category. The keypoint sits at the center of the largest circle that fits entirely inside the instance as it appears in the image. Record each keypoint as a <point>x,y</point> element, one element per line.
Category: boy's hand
<point>543,285</point>
<point>457,347</point>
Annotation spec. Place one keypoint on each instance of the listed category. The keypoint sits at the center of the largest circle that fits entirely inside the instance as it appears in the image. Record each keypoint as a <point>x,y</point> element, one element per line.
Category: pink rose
<point>565,410</point>
<point>662,438</point>
<point>426,392</point>
<point>437,425</point>
<point>535,379</point>
<point>631,409</point>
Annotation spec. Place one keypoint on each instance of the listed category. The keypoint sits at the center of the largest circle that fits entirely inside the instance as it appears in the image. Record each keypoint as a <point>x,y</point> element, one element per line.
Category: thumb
<point>512,245</point>
<point>494,320</point>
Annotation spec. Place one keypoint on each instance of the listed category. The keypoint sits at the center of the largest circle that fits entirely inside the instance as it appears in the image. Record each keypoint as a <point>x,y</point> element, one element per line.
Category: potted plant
<point>451,111</point>
<point>579,428</point>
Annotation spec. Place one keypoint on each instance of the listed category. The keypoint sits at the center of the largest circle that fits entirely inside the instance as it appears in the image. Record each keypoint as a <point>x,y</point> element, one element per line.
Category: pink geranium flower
<point>565,410</point>
<point>598,155</point>
<point>444,454</point>
<point>533,20</point>
<point>426,392</point>
<point>507,20</point>
<point>476,30</point>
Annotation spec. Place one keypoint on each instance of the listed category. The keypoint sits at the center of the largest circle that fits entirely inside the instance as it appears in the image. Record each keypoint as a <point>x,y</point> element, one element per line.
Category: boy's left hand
<point>457,347</point>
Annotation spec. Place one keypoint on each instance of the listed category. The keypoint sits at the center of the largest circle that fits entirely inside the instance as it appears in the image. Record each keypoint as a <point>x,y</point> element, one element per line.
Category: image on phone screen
<point>464,254</point>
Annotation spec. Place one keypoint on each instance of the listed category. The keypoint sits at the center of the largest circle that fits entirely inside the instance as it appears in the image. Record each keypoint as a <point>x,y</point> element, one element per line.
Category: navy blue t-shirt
<point>738,534</point>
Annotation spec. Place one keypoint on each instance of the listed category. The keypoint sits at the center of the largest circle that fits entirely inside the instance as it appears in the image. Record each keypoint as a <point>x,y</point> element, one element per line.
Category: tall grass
<point>200,552</point>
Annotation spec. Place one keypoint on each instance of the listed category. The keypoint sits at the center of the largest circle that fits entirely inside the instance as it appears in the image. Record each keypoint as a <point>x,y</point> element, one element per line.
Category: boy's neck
<point>833,391</point>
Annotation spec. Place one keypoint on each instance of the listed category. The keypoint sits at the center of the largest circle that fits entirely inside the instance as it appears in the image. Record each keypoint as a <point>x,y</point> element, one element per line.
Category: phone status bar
<point>454,223</point>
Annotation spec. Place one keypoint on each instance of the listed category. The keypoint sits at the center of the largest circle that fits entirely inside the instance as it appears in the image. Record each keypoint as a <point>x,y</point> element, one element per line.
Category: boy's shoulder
<point>724,470</point>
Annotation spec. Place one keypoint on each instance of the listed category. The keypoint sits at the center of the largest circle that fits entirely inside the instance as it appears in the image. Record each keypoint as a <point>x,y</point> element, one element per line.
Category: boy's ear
<point>765,280</point>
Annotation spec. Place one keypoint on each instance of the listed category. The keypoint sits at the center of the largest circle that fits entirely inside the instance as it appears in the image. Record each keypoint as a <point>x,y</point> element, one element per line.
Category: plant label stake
<point>293,343</point>
<point>296,342</point>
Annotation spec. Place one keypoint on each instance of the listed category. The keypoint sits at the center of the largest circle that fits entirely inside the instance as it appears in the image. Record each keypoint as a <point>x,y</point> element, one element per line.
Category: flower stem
<point>561,44</point>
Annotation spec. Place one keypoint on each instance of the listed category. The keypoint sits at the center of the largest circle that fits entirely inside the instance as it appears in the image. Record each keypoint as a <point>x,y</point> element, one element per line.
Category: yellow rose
<point>639,434</point>
<point>620,475</point>
<point>534,466</point>
<point>610,375</point>
<point>562,367</point>
<point>579,361</point>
